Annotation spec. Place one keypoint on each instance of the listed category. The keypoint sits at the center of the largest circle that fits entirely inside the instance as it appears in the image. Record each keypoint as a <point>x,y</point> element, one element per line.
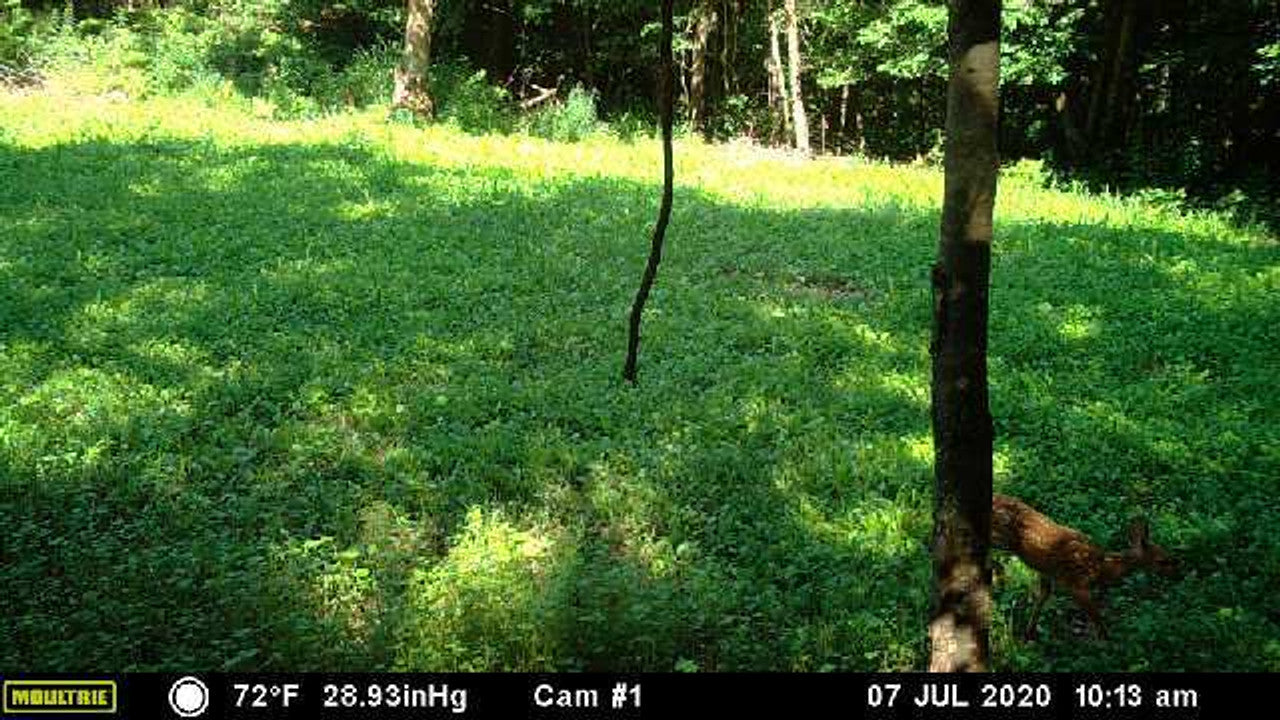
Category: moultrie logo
<point>23,697</point>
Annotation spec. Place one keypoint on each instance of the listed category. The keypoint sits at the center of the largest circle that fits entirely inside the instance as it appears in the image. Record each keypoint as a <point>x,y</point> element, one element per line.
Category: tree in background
<point>412,76</point>
<point>729,46</point>
<point>962,427</point>
<point>779,100</point>
<point>799,120</point>
<point>704,21</point>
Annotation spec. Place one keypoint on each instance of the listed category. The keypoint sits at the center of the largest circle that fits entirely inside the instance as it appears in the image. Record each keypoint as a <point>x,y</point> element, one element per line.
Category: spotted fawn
<point>1067,557</point>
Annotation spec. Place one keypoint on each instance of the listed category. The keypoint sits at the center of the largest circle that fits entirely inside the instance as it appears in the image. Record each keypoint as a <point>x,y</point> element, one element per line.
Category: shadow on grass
<point>305,407</point>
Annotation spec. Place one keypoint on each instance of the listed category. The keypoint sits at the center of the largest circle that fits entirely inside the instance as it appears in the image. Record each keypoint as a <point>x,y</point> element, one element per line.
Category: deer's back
<point>1046,546</point>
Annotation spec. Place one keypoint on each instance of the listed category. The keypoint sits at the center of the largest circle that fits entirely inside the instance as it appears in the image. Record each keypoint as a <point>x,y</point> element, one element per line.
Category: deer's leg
<point>1085,600</point>
<point>1043,590</point>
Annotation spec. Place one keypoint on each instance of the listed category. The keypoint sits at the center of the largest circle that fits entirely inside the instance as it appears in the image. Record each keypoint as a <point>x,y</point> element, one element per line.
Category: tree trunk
<point>666,112</point>
<point>799,121</point>
<point>413,86</point>
<point>859,124</point>
<point>704,25</point>
<point>729,48</point>
<point>1119,74</point>
<point>1110,73</point>
<point>962,430</point>
<point>779,103</point>
<point>1075,144</point>
<point>844,117</point>
<point>922,131</point>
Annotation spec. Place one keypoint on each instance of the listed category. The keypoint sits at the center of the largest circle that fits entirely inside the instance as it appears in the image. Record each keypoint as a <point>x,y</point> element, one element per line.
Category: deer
<point>1067,557</point>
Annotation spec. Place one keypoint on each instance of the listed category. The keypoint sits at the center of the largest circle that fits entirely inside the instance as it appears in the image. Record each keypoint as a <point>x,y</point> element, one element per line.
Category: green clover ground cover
<point>344,395</point>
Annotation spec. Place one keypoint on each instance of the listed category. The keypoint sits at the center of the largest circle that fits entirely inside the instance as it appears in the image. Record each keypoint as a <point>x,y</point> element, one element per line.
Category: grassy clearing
<point>344,395</point>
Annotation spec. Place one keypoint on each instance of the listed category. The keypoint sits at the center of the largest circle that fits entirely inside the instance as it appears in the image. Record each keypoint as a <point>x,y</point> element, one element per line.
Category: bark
<point>412,77</point>
<point>704,24</point>
<point>959,626</point>
<point>666,104</point>
<point>779,104</point>
<point>844,115</point>
<point>729,48</point>
<point>859,125</point>
<point>1119,69</point>
<point>799,121</point>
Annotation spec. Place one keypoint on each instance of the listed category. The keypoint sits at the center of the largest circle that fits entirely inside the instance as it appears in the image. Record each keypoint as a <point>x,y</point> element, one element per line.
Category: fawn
<point>1067,556</point>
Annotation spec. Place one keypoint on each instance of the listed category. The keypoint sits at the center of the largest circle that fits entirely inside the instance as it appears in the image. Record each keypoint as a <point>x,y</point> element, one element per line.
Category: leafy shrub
<point>1032,173</point>
<point>632,125</point>
<point>293,79</point>
<point>465,97</point>
<point>179,50</point>
<point>92,56</point>
<point>15,34</point>
<point>179,46</point>
<point>568,121</point>
<point>736,117</point>
<point>366,80</point>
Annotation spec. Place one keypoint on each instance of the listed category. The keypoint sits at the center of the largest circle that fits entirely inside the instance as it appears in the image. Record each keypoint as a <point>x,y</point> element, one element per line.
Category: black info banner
<point>602,697</point>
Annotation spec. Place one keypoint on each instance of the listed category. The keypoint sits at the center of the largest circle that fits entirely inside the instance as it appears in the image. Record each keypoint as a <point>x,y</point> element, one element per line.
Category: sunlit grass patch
<point>492,603</point>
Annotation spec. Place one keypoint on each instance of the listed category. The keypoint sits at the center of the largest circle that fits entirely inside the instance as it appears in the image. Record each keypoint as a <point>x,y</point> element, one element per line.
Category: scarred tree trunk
<point>666,112</point>
<point>799,120</point>
<point>413,87</point>
<point>962,430</point>
<point>704,24</point>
